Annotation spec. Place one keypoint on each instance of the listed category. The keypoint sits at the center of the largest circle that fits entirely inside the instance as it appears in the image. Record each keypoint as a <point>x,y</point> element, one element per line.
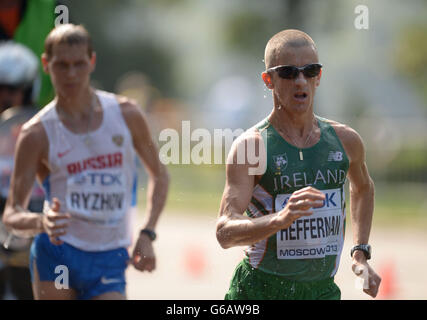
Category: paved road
<point>192,265</point>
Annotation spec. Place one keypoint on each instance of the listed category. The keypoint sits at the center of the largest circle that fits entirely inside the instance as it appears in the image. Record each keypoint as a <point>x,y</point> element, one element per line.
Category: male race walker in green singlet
<point>294,196</point>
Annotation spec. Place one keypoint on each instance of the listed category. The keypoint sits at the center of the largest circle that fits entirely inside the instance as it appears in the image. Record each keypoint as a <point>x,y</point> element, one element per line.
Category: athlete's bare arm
<point>158,179</point>
<point>235,229</point>
<point>361,199</point>
<point>30,161</point>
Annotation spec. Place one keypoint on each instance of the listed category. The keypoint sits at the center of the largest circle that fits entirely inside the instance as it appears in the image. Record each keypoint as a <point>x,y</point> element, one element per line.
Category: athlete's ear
<point>318,78</point>
<point>266,77</point>
<point>45,63</point>
<point>93,61</point>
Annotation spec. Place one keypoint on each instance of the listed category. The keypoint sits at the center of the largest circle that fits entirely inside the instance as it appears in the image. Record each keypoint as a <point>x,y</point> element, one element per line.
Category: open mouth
<point>300,96</point>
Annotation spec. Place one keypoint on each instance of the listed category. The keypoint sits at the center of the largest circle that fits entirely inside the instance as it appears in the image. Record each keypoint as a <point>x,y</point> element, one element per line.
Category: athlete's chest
<point>287,173</point>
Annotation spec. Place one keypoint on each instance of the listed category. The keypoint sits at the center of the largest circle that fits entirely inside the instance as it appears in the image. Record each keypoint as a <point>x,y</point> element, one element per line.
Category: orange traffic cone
<point>195,261</point>
<point>388,288</point>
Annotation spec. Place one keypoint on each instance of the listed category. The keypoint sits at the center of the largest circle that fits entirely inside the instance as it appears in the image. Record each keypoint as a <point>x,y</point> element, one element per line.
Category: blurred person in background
<point>28,22</point>
<point>295,222</point>
<point>19,88</point>
<point>83,147</point>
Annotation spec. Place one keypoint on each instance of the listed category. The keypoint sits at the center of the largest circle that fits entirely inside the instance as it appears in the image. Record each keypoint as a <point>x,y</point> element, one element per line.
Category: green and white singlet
<point>310,249</point>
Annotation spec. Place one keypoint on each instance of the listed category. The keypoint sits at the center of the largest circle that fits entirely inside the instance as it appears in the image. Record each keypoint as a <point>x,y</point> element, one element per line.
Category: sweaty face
<point>70,67</point>
<point>296,95</point>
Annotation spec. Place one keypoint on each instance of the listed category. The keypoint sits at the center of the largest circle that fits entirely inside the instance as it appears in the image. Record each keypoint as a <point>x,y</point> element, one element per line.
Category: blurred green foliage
<point>401,204</point>
<point>410,56</point>
<point>137,54</point>
<point>410,164</point>
<point>244,29</point>
<point>194,189</point>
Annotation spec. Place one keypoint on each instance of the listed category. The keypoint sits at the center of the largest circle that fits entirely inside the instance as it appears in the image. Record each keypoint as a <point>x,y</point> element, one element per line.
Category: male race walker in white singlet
<point>82,148</point>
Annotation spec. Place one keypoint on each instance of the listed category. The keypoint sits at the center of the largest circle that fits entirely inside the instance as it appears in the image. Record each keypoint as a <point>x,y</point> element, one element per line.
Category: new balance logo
<point>335,156</point>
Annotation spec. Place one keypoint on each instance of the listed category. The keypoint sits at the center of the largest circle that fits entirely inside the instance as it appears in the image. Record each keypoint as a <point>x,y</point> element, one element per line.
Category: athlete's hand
<point>55,223</point>
<point>143,258</point>
<point>300,204</point>
<point>362,269</point>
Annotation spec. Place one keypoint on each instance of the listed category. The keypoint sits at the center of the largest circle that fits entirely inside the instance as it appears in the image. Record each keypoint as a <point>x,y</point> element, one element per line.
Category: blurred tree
<point>410,56</point>
<point>140,54</point>
<point>245,29</point>
<point>295,13</point>
<point>169,3</point>
<point>146,57</point>
<point>356,104</point>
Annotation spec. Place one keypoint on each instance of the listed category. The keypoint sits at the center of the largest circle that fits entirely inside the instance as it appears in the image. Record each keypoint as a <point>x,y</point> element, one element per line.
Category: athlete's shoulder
<point>32,139</point>
<point>344,131</point>
<point>131,110</point>
<point>134,116</point>
<point>34,126</point>
<point>349,137</point>
<point>251,135</point>
<point>248,150</point>
<point>33,132</point>
<point>127,104</point>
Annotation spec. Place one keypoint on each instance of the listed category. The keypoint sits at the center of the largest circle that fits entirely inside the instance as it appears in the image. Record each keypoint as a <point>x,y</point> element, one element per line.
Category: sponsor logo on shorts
<point>105,280</point>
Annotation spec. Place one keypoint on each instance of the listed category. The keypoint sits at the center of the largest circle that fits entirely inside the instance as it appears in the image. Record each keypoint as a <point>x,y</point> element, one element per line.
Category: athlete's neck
<point>76,106</point>
<point>297,125</point>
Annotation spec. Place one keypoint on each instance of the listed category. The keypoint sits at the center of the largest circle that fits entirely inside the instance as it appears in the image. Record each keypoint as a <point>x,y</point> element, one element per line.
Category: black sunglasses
<point>292,72</point>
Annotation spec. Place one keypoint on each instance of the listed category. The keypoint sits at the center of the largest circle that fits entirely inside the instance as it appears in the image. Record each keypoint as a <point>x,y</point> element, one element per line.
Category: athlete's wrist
<point>39,224</point>
<point>359,256</point>
<point>148,233</point>
<point>280,221</point>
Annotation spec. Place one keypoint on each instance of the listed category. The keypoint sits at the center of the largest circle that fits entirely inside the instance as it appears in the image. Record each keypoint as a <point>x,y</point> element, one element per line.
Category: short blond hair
<point>287,38</point>
<point>70,34</point>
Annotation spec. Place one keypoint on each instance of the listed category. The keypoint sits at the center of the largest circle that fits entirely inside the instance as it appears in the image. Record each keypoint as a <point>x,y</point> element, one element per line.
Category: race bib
<point>97,196</point>
<point>314,236</point>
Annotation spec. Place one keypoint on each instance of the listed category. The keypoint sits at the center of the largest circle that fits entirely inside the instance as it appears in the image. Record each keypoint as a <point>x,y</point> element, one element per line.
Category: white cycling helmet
<point>19,67</point>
